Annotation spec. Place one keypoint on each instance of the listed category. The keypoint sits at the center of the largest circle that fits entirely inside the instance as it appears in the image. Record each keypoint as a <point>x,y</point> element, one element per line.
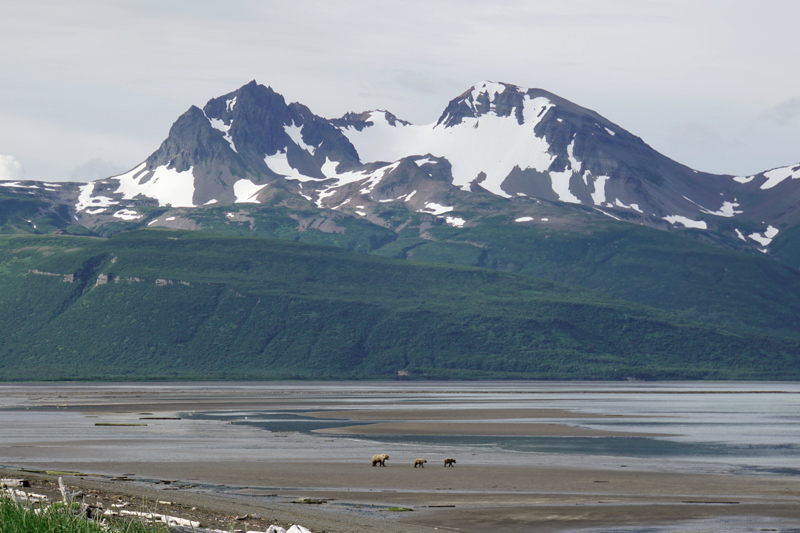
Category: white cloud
<point>10,168</point>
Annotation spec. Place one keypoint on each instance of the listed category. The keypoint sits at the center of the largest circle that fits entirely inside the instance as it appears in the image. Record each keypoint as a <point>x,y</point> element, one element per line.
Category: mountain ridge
<point>249,163</point>
<point>545,148</point>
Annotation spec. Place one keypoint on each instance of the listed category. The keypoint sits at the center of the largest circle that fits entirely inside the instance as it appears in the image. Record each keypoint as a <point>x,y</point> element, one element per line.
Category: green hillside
<point>168,305</point>
<point>655,268</point>
<point>672,270</point>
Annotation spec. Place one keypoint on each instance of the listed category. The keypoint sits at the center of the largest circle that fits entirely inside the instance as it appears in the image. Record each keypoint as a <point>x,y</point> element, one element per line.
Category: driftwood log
<point>11,483</point>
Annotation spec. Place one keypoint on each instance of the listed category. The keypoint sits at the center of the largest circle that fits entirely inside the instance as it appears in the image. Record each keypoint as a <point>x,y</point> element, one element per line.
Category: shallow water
<point>728,428</point>
<point>741,428</point>
<point>715,427</point>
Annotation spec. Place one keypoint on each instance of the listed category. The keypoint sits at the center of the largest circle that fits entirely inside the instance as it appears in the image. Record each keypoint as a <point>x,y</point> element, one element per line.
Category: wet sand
<point>467,497</point>
<point>471,497</point>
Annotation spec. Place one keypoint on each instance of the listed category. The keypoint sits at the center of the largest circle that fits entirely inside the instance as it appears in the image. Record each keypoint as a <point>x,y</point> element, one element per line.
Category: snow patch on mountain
<point>383,140</point>
<point>279,163</point>
<point>17,185</point>
<point>765,239</point>
<point>728,210</point>
<point>465,145</point>
<point>86,200</point>
<point>166,185</point>
<point>573,163</point>
<point>599,194</point>
<point>375,178</point>
<point>489,88</point>
<point>777,175</point>
<point>456,222</point>
<point>220,125</point>
<point>435,209</point>
<point>559,181</point>
<point>128,214</point>
<point>523,219</point>
<point>295,133</point>
<point>606,214</point>
<point>229,104</point>
<point>370,178</point>
<point>245,191</point>
<point>687,222</point>
<point>635,207</point>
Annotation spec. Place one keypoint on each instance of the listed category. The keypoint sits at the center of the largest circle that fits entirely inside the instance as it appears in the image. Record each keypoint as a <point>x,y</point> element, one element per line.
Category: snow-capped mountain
<point>227,152</point>
<point>526,146</point>
<point>511,141</point>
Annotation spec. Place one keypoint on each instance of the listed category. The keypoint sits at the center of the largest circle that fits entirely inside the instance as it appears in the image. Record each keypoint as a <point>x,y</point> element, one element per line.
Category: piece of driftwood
<point>166,519</point>
<point>22,496</point>
<point>9,483</point>
<point>64,496</point>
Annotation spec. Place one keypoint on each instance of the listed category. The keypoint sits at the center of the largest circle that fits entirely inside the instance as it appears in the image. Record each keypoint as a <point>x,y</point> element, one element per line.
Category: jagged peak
<point>490,88</point>
<point>489,97</point>
<point>369,118</point>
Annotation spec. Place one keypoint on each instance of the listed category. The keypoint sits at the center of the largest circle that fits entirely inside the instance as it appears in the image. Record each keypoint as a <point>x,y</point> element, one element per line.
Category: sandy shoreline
<point>466,498</point>
<point>227,470</point>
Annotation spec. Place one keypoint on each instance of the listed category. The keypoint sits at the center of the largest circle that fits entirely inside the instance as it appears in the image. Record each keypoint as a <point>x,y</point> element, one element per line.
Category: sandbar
<point>496,429</point>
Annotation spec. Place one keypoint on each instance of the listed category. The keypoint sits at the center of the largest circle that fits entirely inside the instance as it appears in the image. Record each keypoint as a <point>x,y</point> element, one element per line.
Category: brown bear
<point>419,463</point>
<point>449,461</point>
<point>379,459</point>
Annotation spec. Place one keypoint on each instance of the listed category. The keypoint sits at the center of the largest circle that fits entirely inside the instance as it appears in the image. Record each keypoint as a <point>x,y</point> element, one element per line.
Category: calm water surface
<point>741,428</point>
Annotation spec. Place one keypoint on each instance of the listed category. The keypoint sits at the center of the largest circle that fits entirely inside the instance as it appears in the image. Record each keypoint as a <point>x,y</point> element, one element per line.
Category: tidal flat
<point>530,456</point>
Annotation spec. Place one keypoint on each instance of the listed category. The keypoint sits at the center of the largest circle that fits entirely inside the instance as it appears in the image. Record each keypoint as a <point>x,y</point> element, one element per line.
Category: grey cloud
<point>694,136</point>
<point>95,169</point>
<point>784,114</point>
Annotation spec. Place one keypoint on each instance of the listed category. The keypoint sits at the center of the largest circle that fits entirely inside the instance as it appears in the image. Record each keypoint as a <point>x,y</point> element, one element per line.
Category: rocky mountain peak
<point>490,98</point>
<point>365,119</point>
<point>494,138</point>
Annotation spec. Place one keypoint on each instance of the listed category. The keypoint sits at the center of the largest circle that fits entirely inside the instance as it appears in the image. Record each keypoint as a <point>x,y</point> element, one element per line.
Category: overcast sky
<point>89,88</point>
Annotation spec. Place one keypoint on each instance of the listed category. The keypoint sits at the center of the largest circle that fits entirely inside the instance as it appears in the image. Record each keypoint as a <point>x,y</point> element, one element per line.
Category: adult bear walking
<point>379,459</point>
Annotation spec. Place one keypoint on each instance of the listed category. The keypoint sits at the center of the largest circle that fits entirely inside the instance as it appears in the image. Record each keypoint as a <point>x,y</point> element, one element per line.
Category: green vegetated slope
<point>307,224</point>
<point>198,306</point>
<point>20,214</point>
<point>786,247</point>
<point>656,268</point>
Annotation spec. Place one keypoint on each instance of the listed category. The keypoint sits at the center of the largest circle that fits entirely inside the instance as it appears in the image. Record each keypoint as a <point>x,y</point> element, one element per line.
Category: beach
<point>201,447</point>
